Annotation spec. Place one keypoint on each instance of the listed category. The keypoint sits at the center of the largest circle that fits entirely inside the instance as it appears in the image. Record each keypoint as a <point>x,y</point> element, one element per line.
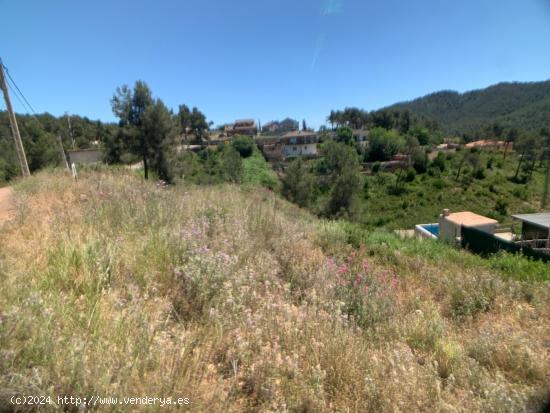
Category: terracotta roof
<point>485,142</point>
<point>469,219</point>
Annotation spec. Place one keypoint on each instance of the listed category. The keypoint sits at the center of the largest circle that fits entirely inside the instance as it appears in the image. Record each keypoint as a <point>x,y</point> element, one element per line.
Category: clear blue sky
<point>268,59</point>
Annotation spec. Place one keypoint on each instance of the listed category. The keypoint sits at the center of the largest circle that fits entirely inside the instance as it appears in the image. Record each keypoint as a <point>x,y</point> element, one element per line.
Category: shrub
<point>447,355</point>
<point>298,183</point>
<point>258,172</point>
<point>501,207</point>
<point>366,294</point>
<point>420,161</point>
<point>383,144</point>
<point>410,175</point>
<point>439,161</point>
<point>439,184</point>
<point>376,167</point>
<point>472,296</point>
<point>479,173</point>
<point>244,145</point>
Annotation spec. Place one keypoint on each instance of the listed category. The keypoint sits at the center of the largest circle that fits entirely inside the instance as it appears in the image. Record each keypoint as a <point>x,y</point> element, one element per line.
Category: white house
<point>299,144</point>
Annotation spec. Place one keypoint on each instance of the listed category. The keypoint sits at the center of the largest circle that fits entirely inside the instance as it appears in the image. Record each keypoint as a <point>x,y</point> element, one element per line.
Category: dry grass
<point>242,302</point>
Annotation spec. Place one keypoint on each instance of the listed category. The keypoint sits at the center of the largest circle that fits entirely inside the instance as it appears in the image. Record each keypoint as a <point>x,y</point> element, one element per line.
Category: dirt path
<point>6,208</point>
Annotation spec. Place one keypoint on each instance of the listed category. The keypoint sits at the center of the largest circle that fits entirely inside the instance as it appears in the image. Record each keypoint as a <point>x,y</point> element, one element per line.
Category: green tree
<point>199,125</point>
<point>129,105</point>
<point>113,147</point>
<point>525,147</point>
<point>244,145</point>
<point>421,134</point>
<point>511,137</point>
<point>232,164</point>
<point>342,167</point>
<point>545,135</point>
<point>469,157</point>
<point>344,134</point>
<point>383,144</point>
<point>184,119</point>
<point>298,183</point>
<point>157,129</point>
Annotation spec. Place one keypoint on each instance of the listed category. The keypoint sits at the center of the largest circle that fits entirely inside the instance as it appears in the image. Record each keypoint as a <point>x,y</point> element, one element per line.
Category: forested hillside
<point>524,106</point>
<point>40,135</point>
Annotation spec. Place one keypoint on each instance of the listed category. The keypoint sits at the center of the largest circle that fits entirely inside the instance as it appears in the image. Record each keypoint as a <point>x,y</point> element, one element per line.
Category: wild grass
<point>242,302</point>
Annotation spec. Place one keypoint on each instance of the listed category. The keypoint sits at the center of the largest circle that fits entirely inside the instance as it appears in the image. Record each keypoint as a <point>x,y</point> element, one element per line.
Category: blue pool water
<point>433,228</point>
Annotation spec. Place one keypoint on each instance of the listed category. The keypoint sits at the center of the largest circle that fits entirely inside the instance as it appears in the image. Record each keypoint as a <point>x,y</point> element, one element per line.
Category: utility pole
<point>70,129</point>
<point>546,155</point>
<point>63,153</point>
<point>13,123</point>
<point>544,200</point>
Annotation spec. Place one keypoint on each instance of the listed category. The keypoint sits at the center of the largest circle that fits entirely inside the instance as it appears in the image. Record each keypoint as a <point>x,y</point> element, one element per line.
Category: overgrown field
<point>240,301</point>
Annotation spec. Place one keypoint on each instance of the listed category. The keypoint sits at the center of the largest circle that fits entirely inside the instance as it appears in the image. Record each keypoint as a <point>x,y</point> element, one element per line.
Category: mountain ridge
<point>521,105</point>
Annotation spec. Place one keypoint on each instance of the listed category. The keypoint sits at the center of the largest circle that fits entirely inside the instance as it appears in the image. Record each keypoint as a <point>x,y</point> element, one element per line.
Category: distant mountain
<point>525,106</point>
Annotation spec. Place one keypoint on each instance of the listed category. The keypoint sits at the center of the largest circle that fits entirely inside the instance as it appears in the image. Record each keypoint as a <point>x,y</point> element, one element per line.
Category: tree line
<point>44,136</point>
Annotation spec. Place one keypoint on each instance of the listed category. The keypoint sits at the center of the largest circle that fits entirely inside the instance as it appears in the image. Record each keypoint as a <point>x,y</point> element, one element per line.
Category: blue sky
<point>268,59</point>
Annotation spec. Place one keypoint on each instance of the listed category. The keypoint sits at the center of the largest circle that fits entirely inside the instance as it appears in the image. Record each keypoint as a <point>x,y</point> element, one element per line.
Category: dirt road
<point>6,208</point>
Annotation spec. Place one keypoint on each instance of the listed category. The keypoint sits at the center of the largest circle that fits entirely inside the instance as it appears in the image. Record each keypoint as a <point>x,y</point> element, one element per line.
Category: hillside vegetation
<point>241,301</point>
<point>524,106</point>
<point>487,187</point>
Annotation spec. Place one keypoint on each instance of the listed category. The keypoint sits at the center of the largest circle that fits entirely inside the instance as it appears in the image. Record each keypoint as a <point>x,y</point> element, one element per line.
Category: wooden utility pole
<point>63,155</point>
<point>13,123</point>
<point>544,199</point>
<point>70,128</point>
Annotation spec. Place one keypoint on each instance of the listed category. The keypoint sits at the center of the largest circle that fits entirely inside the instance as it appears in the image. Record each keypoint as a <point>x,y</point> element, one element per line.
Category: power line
<point>13,123</point>
<point>17,87</point>
<point>14,92</point>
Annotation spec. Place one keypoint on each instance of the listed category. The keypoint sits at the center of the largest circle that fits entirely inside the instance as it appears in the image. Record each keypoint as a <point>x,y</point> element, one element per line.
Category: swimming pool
<point>427,230</point>
<point>431,228</point>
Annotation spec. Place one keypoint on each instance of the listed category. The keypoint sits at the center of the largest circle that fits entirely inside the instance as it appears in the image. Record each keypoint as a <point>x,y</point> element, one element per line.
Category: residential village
<point>462,228</point>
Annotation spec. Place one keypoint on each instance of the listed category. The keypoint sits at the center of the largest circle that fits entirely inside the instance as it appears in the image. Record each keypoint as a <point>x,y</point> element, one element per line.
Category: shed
<point>450,225</point>
<point>84,156</point>
<point>534,226</point>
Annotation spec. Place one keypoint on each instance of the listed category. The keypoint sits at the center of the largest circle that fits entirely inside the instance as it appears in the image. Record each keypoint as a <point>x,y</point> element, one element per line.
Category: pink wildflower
<point>342,269</point>
<point>365,265</point>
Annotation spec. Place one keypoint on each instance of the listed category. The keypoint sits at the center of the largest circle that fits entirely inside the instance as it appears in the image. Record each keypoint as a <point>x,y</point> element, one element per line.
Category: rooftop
<point>245,122</point>
<point>541,219</point>
<point>469,219</point>
<point>294,134</point>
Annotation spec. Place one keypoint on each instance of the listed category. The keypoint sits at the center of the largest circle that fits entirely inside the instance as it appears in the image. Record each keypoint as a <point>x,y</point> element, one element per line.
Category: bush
<point>410,175</point>
<point>479,173</point>
<point>244,145</point>
<point>298,183</point>
<point>376,167</point>
<point>501,206</point>
<point>439,161</point>
<point>420,161</point>
<point>258,172</point>
<point>366,295</point>
<point>439,184</point>
<point>383,144</point>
